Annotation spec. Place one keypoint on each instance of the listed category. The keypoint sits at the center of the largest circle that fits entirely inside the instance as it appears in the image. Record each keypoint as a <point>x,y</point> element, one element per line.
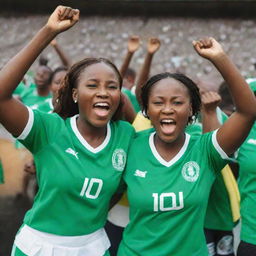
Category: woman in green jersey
<point>247,187</point>
<point>77,150</point>
<point>169,184</point>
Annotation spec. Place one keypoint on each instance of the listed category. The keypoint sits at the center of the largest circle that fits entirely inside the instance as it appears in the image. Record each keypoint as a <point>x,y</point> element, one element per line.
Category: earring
<point>75,100</point>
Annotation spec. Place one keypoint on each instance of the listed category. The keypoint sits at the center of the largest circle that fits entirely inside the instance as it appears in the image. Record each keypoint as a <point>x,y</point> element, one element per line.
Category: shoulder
<point>50,118</point>
<point>143,135</point>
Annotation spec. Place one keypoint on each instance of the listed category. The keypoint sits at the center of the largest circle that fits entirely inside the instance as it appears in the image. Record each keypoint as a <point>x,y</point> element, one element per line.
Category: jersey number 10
<point>167,198</point>
<point>91,188</point>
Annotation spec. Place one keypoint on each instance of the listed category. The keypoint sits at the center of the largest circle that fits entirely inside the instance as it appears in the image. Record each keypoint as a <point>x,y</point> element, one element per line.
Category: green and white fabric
<point>168,200</point>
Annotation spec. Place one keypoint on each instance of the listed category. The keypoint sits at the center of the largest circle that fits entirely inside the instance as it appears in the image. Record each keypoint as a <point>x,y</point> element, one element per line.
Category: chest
<point>155,187</point>
<point>71,168</point>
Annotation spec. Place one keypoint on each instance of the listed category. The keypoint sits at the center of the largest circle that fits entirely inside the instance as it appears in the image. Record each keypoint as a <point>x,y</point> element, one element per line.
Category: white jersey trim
<point>173,160</point>
<point>84,142</point>
<point>217,146</point>
<point>33,242</point>
<point>28,126</point>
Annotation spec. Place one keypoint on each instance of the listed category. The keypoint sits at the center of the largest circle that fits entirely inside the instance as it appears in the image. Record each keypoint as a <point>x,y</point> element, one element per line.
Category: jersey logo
<point>141,174</point>
<point>119,159</point>
<point>251,141</point>
<point>190,171</point>
<point>72,152</point>
<point>35,106</point>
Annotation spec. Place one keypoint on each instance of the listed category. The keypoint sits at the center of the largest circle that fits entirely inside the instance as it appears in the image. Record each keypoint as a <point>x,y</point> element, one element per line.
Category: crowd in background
<point>138,57</point>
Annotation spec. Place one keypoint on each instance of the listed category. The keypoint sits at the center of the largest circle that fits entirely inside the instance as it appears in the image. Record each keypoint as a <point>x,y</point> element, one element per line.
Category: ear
<point>74,94</point>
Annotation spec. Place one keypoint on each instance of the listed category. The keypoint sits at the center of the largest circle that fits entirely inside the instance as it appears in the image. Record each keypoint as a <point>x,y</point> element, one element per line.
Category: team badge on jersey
<point>119,159</point>
<point>190,171</point>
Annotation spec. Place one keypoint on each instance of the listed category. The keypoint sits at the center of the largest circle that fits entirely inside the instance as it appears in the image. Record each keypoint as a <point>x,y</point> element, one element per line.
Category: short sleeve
<point>215,154</point>
<point>40,130</point>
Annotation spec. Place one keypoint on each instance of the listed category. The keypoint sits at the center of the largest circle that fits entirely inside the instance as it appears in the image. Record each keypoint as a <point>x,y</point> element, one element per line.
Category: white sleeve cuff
<point>28,126</point>
<point>217,146</point>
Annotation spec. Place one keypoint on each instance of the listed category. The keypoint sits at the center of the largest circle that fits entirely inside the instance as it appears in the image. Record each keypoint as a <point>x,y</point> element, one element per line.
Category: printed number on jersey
<point>167,201</point>
<point>91,188</point>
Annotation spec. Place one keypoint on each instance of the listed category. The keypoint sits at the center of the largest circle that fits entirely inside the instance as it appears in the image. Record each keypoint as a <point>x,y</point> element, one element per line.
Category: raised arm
<point>152,48</point>
<point>64,58</point>
<point>133,46</point>
<point>13,114</point>
<point>210,102</point>
<point>234,131</point>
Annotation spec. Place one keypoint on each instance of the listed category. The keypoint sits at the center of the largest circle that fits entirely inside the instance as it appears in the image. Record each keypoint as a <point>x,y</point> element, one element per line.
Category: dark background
<point>187,8</point>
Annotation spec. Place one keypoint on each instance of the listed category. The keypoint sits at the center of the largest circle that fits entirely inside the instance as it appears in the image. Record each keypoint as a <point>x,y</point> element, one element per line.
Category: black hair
<point>130,72</point>
<point>226,99</point>
<point>57,70</point>
<point>187,82</point>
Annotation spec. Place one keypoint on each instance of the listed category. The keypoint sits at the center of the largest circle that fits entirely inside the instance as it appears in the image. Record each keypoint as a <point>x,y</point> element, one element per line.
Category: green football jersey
<point>132,98</point>
<point>31,98</point>
<point>168,200</point>
<point>76,181</point>
<point>247,187</point>
<point>46,106</point>
<point>218,214</point>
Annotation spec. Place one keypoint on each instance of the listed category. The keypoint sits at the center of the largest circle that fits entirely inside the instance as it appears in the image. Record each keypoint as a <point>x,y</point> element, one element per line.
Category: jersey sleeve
<point>215,154</point>
<point>40,130</point>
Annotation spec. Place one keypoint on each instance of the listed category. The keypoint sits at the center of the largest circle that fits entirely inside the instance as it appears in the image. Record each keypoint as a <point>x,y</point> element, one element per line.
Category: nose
<point>102,93</point>
<point>167,109</point>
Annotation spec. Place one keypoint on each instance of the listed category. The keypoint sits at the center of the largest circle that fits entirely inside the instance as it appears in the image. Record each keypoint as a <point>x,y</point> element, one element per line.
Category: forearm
<point>143,75</point>
<point>64,59</point>
<point>210,121</point>
<point>243,97</point>
<point>15,69</point>
<point>126,63</point>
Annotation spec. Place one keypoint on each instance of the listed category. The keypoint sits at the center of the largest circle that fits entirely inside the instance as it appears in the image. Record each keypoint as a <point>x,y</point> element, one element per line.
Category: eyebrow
<point>173,97</point>
<point>97,80</point>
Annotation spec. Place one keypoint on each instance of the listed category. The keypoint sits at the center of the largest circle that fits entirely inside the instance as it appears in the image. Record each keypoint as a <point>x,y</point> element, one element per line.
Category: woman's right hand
<point>63,18</point>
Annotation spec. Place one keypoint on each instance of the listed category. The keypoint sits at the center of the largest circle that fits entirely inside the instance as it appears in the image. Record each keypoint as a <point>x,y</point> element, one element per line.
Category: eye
<point>177,102</point>
<point>158,103</point>
<point>91,85</point>
<point>113,86</point>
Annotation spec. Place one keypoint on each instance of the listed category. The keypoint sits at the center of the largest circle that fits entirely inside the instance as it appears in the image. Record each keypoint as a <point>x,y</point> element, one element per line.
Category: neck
<point>43,92</point>
<point>93,135</point>
<point>169,150</point>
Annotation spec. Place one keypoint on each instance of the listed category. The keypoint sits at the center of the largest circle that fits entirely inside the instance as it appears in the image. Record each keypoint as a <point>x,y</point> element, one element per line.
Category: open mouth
<point>168,125</point>
<point>101,108</point>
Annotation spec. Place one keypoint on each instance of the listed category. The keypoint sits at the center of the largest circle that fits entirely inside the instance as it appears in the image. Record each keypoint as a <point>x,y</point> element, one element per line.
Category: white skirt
<point>36,243</point>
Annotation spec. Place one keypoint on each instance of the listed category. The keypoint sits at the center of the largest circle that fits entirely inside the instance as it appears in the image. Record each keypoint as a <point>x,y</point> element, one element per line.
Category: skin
<point>152,47</point>
<point>210,102</point>
<point>132,47</point>
<point>13,114</point>
<point>98,83</point>
<point>169,100</point>
<point>56,81</point>
<point>42,76</point>
<point>232,134</point>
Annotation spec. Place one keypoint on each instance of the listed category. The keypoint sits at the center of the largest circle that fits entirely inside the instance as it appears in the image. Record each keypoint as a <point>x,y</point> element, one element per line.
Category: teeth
<point>167,121</point>
<point>101,104</point>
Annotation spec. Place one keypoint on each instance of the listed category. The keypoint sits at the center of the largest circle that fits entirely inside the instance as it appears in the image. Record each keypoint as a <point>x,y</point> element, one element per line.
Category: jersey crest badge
<point>190,171</point>
<point>119,159</point>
